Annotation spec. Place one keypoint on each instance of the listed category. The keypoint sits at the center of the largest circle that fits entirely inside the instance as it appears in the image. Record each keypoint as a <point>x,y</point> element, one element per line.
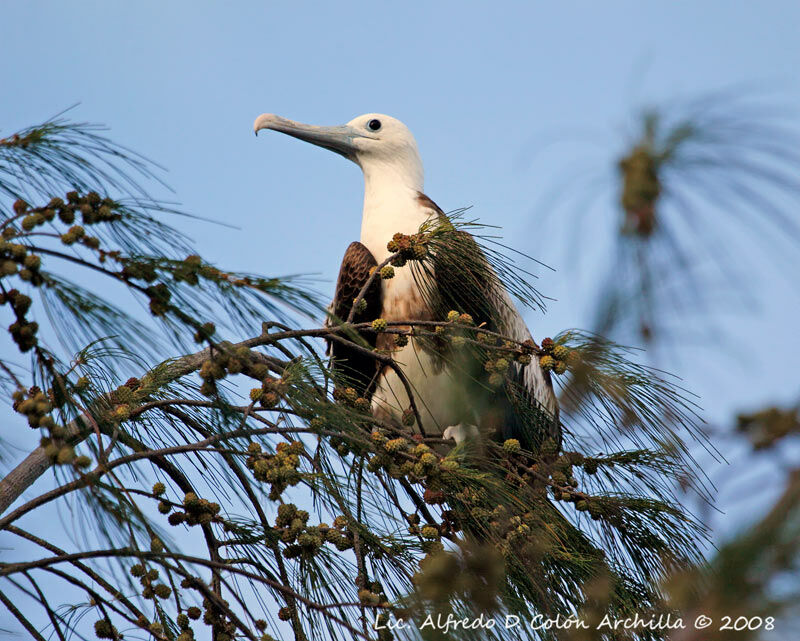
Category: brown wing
<point>357,367</point>
<point>423,200</point>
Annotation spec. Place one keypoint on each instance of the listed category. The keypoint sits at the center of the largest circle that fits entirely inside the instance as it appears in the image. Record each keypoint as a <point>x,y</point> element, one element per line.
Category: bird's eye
<point>374,124</point>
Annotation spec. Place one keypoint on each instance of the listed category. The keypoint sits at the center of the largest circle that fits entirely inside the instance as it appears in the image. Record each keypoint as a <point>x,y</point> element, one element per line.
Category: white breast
<point>438,395</point>
<point>435,392</point>
<point>403,300</point>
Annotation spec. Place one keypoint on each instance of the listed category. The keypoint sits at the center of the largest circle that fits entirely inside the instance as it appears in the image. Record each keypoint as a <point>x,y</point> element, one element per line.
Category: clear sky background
<point>483,86</point>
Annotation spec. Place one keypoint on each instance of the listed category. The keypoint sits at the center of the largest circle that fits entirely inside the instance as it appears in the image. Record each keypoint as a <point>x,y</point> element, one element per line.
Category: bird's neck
<point>391,205</point>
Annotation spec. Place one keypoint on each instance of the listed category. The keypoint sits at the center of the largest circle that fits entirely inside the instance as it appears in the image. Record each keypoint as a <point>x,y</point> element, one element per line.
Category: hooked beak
<point>339,138</point>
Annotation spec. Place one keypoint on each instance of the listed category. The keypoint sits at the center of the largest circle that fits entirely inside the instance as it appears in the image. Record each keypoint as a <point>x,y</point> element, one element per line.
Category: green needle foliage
<point>241,489</point>
<point>725,161</point>
<point>706,191</point>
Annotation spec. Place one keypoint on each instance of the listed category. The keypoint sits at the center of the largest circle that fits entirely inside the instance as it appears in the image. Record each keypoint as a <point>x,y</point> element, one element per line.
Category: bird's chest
<point>403,296</point>
<point>432,385</point>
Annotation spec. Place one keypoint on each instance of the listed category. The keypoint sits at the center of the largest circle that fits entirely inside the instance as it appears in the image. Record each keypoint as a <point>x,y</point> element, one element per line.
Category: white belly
<point>434,389</point>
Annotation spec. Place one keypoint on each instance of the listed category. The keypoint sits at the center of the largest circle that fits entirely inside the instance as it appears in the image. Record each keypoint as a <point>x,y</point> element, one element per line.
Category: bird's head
<point>381,145</point>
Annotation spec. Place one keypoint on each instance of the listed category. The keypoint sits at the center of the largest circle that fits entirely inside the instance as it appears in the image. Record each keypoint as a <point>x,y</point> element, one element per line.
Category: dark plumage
<point>354,272</point>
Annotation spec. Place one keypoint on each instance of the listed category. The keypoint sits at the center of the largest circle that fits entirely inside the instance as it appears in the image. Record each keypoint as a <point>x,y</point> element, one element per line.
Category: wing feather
<point>354,272</point>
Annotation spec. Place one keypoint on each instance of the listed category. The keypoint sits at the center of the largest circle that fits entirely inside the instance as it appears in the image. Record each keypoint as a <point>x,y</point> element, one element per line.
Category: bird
<point>453,400</point>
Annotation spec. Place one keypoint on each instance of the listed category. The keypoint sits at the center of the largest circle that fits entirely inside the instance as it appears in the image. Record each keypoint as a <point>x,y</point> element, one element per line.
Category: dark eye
<point>374,124</point>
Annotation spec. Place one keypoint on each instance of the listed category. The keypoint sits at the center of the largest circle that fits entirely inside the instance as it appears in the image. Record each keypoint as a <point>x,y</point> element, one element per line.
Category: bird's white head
<point>382,146</point>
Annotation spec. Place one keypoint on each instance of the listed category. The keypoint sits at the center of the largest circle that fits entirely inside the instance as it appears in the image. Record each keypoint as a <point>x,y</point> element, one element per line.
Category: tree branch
<point>37,462</point>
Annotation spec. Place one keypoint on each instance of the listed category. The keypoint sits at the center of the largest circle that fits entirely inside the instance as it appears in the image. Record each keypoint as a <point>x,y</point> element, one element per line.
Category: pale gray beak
<point>339,138</point>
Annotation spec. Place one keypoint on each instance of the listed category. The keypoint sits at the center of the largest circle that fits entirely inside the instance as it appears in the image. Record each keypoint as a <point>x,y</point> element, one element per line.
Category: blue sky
<point>482,86</point>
